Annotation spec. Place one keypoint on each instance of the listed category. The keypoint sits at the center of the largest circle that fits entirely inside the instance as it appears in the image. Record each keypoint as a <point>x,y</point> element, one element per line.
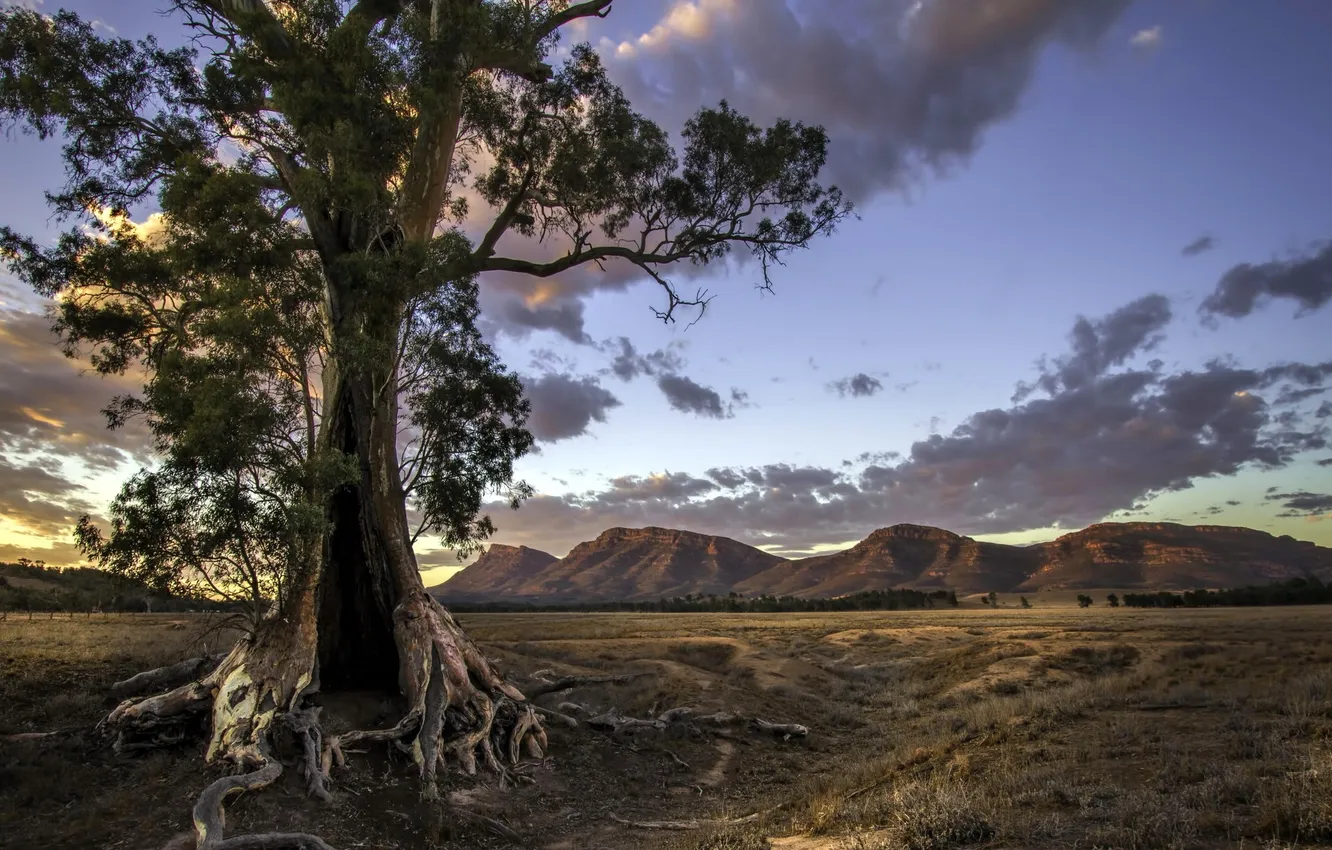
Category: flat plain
<point>1027,728</point>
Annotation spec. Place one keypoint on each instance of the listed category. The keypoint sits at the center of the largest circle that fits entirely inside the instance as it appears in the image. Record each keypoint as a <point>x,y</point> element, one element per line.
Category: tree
<point>1113,600</point>
<point>992,599</point>
<point>1084,601</point>
<point>308,295</point>
<point>1022,600</point>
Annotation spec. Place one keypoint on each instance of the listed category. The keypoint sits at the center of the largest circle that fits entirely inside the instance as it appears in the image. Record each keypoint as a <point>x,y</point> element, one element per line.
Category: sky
<point>1088,280</point>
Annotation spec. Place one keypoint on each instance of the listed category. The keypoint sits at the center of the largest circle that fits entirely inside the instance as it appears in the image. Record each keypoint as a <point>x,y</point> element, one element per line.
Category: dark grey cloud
<point>629,363</point>
<point>688,396</point>
<point>669,487</point>
<point>858,385</point>
<point>1295,395</point>
<point>730,479</point>
<point>1234,503</point>
<point>1099,345</point>
<point>902,87</point>
<point>564,318</point>
<point>1306,280</point>
<point>1100,439</point>
<point>1302,503</point>
<point>564,406</point>
<point>1327,461</point>
<point>1198,246</point>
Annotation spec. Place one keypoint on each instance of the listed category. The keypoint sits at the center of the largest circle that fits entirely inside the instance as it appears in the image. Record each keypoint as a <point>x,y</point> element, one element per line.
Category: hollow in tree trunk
<point>357,617</point>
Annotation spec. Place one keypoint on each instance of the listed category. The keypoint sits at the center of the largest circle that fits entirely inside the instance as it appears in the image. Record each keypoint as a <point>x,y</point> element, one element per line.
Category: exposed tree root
<point>163,678</point>
<point>210,816</point>
<point>563,719</point>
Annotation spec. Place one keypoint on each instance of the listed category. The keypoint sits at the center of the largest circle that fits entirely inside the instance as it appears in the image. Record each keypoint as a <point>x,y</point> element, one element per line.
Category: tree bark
<point>357,617</point>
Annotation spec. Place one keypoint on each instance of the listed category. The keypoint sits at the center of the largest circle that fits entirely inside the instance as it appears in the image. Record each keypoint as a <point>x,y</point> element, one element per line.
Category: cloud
<point>688,396</point>
<point>902,87</point>
<point>1198,246</point>
<point>1135,328</point>
<point>1147,39</point>
<point>1091,437</point>
<point>564,406</point>
<point>1302,503</point>
<point>682,393</point>
<point>629,364</point>
<point>51,405</point>
<point>39,500</point>
<point>858,385</point>
<point>1306,280</point>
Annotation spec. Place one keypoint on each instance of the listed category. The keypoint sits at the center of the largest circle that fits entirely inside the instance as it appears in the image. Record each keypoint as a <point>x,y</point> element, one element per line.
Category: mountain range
<point>650,563</point>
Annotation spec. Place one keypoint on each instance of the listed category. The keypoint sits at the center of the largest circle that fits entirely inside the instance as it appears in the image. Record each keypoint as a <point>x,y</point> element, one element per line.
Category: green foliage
<point>1024,601</point>
<point>1113,600</point>
<point>1084,601</point>
<point>301,298</point>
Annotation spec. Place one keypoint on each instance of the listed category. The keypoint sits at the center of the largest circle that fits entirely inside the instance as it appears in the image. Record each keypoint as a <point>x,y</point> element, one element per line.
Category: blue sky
<point>1157,126</point>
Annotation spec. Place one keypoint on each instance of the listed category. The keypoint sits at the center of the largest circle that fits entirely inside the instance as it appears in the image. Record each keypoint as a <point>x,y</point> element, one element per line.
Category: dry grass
<point>1042,728</point>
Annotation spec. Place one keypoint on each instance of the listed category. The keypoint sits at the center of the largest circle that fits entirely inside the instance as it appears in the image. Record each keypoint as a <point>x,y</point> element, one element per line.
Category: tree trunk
<point>359,618</point>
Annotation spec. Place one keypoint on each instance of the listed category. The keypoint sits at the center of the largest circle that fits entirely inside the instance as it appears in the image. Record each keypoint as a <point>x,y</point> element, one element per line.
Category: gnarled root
<point>163,678</point>
<point>467,711</point>
<point>210,816</point>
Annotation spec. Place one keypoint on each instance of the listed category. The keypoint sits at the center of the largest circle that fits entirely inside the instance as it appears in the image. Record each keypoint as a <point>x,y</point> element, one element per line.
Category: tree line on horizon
<point>732,602</point>
<point>1296,591</point>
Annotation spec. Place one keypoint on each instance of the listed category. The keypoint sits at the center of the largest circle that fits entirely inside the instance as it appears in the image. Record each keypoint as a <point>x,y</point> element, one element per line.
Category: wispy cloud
<point>1147,39</point>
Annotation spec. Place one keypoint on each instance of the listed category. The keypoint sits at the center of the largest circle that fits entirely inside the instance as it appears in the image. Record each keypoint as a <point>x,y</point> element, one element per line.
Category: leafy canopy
<point>332,179</point>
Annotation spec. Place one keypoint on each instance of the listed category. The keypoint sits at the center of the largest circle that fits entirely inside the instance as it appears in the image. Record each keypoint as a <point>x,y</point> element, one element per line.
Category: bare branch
<point>252,19</point>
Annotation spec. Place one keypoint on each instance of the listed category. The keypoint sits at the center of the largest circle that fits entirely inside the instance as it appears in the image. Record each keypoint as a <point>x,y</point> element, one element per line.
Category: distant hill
<point>622,563</point>
<point>1167,556</point>
<point>500,573</point>
<point>914,556</point>
<point>649,563</point>
<point>33,586</point>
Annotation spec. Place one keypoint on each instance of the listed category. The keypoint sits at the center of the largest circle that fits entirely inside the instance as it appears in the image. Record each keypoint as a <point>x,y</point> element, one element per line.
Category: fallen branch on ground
<point>563,684</point>
<point>617,722</point>
<point>32,736</point>
<point>490,824</point>
<point>687,824</point>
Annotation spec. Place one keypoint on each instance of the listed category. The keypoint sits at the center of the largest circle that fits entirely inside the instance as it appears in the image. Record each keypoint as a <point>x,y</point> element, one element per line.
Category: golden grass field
<point>1053,727</point>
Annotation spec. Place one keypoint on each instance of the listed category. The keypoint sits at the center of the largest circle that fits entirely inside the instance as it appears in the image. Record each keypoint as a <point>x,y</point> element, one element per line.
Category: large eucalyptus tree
<point>307,296</point>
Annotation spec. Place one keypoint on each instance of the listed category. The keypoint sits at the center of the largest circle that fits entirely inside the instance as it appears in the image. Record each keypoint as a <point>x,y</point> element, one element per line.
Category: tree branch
<point>254,20</point>
<point>588,9</point>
